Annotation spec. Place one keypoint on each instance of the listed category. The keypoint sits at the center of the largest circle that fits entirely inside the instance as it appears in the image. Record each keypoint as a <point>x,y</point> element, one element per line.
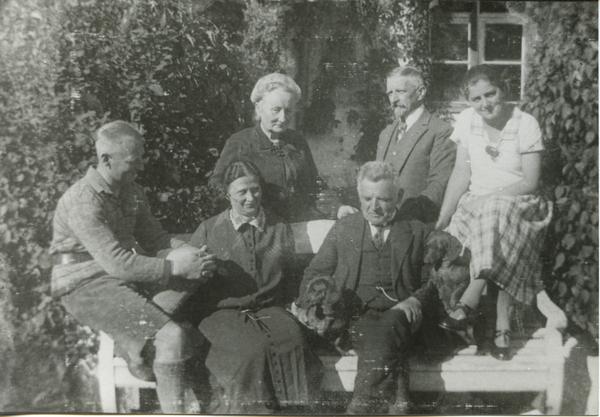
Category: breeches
<point>124,311</point>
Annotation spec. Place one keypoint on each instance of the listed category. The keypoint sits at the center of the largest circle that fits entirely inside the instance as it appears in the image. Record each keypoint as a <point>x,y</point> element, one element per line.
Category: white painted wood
<point>106,374</point>
<point>592,403</point>
<point>309,236</point>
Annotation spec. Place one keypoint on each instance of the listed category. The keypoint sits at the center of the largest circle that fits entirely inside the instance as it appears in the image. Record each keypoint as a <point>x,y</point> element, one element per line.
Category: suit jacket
<point>424,157</point>
<point>341,253</point>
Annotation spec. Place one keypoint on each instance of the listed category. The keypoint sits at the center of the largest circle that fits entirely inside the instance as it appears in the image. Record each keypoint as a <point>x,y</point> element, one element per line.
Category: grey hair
<point>272,82</point>
<point>411,72</point>
<point>111,136</point>
<point>376,171</point>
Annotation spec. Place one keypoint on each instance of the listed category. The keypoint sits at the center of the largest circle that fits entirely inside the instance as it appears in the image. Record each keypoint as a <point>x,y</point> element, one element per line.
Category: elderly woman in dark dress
<point>282,155</point>
<point>257,351</point>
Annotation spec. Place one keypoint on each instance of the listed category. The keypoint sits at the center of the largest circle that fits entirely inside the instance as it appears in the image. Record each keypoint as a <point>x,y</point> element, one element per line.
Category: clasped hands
<point>192,263</point>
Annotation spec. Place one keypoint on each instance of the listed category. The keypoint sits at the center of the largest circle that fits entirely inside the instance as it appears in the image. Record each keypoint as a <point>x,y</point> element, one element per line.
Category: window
<point>464,34</point>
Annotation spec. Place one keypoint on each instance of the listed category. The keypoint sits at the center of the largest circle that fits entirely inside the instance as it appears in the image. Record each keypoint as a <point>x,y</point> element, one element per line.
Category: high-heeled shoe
<point>502,353</point>
<point>458,325</point>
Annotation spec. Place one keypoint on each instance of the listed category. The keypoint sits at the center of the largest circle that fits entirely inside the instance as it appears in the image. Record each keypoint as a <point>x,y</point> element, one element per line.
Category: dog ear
<point>454,248</point>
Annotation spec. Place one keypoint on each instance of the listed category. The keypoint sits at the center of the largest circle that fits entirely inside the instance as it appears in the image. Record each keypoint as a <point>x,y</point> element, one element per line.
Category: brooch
<point>493,152</point>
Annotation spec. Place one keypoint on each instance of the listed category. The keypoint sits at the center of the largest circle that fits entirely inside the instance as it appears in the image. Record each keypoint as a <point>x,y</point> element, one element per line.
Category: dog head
<point>441,246</point>
<point>324,305</point>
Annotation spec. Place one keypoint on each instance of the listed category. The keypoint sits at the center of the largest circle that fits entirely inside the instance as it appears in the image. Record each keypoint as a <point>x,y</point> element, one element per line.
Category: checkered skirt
<point>505,235</point>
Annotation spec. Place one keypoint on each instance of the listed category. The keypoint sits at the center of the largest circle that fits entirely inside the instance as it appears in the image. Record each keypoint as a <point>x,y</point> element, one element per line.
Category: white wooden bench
<point>538,365</point>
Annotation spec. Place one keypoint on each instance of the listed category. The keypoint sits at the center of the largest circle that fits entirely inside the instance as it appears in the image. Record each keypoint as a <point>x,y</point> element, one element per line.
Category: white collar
<point>238,220</point>
<point>386,229</point>
<point>412,118</point>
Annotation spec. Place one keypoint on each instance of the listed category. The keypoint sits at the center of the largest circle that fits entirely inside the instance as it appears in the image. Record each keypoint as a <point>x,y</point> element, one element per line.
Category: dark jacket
<point>255,269</point>
<point>424,159</point>
<point>341,252</point>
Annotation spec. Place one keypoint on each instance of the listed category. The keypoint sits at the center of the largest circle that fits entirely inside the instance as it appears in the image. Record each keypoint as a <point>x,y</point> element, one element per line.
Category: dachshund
<point>327,309</point>
<point>450,268</point>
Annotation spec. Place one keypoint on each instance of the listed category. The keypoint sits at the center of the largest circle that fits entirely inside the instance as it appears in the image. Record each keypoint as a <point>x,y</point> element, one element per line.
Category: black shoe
<point>461,325</point>
<point>502,353</point>
<point>138,367</point>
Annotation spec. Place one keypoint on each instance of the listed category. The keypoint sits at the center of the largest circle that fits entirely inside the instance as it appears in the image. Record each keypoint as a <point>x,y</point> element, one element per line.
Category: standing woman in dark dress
<point>257,355</point>
<point>281,154</point>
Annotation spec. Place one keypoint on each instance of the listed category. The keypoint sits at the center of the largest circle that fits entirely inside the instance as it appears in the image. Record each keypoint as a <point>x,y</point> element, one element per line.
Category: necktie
<point>378,238</point>
<point>401,129</point>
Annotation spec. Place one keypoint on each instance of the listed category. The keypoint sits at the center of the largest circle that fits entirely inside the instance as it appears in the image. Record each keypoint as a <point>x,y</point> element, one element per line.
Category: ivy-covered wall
<point>562,93</point>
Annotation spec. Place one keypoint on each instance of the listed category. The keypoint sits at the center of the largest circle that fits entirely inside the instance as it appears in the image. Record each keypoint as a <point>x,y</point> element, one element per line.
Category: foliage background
<point>562,93</point>
<point>183,70</point>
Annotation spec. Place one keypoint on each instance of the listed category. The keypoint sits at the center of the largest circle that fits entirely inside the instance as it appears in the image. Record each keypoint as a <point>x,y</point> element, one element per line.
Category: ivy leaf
<point>568,241</point>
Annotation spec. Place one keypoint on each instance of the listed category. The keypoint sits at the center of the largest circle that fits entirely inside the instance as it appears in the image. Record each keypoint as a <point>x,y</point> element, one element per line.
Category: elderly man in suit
<point>379,256</point>
<point>416,144</point>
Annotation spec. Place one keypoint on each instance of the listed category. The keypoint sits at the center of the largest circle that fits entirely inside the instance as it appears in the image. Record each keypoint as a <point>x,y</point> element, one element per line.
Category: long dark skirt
<point>257,361</point>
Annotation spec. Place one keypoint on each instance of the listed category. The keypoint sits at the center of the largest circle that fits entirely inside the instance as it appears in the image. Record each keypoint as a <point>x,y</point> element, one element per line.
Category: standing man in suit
<point>379,256</point>
<point>416,144</point>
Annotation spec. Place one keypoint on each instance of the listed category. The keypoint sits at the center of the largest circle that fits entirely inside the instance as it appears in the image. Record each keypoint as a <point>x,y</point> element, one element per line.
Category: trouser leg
<point>381,340</point>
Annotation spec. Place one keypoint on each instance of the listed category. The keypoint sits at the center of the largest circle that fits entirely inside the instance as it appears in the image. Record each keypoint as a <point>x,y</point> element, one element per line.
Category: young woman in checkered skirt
<point>492,206</point>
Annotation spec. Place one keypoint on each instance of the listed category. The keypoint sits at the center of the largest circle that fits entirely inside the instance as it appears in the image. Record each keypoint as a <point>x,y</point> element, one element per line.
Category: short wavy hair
<point>111,136</point>
<point>407,71</point>
<point>492,74</point>
<point>272,82</point>
<point>377,171</point>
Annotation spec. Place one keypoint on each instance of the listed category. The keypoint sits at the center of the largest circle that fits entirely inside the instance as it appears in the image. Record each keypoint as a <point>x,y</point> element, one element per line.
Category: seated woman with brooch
<point>492,205</point>
<point>257,356</point>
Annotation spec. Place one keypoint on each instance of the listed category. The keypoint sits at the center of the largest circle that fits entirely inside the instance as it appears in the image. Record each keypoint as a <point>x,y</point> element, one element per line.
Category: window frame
<point>476,22</point>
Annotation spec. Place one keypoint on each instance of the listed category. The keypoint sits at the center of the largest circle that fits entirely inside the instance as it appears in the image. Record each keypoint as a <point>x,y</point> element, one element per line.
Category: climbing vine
<point>562,93</point>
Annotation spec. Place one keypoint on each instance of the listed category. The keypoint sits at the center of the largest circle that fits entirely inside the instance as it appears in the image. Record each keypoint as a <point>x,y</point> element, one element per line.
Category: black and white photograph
<point>299,207</point>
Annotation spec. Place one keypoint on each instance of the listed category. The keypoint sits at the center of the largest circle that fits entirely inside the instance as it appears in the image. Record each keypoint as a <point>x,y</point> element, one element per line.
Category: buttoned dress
<point>291,180</point>
<point>257,354</point>
<point>504,233</point>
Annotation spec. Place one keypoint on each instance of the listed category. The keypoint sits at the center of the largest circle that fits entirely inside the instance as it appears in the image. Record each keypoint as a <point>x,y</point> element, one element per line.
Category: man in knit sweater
<point>109,263</point>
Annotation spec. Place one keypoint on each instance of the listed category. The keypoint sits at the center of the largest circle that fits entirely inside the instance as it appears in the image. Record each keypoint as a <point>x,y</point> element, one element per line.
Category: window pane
<point>449,42</point>
<point>446,81</point>
<point>493,7</point>
<point>512,73</point>
<point>503,42</point>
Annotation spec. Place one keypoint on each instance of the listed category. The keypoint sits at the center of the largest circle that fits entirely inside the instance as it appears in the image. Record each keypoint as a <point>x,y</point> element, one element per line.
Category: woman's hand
<point>344,211</point>
<point>442,222</point>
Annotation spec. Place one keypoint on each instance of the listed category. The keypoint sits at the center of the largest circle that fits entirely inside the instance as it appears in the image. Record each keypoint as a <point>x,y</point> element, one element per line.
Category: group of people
<point>213,314</point>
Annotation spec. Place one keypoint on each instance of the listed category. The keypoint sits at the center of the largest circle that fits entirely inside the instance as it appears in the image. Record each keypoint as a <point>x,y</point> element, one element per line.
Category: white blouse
<point>488,173</point>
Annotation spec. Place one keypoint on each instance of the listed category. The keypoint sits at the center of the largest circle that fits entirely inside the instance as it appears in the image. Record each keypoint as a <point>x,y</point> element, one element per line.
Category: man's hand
<point>192,263</point>
<point>412,308</point>
<point>344,211</point>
